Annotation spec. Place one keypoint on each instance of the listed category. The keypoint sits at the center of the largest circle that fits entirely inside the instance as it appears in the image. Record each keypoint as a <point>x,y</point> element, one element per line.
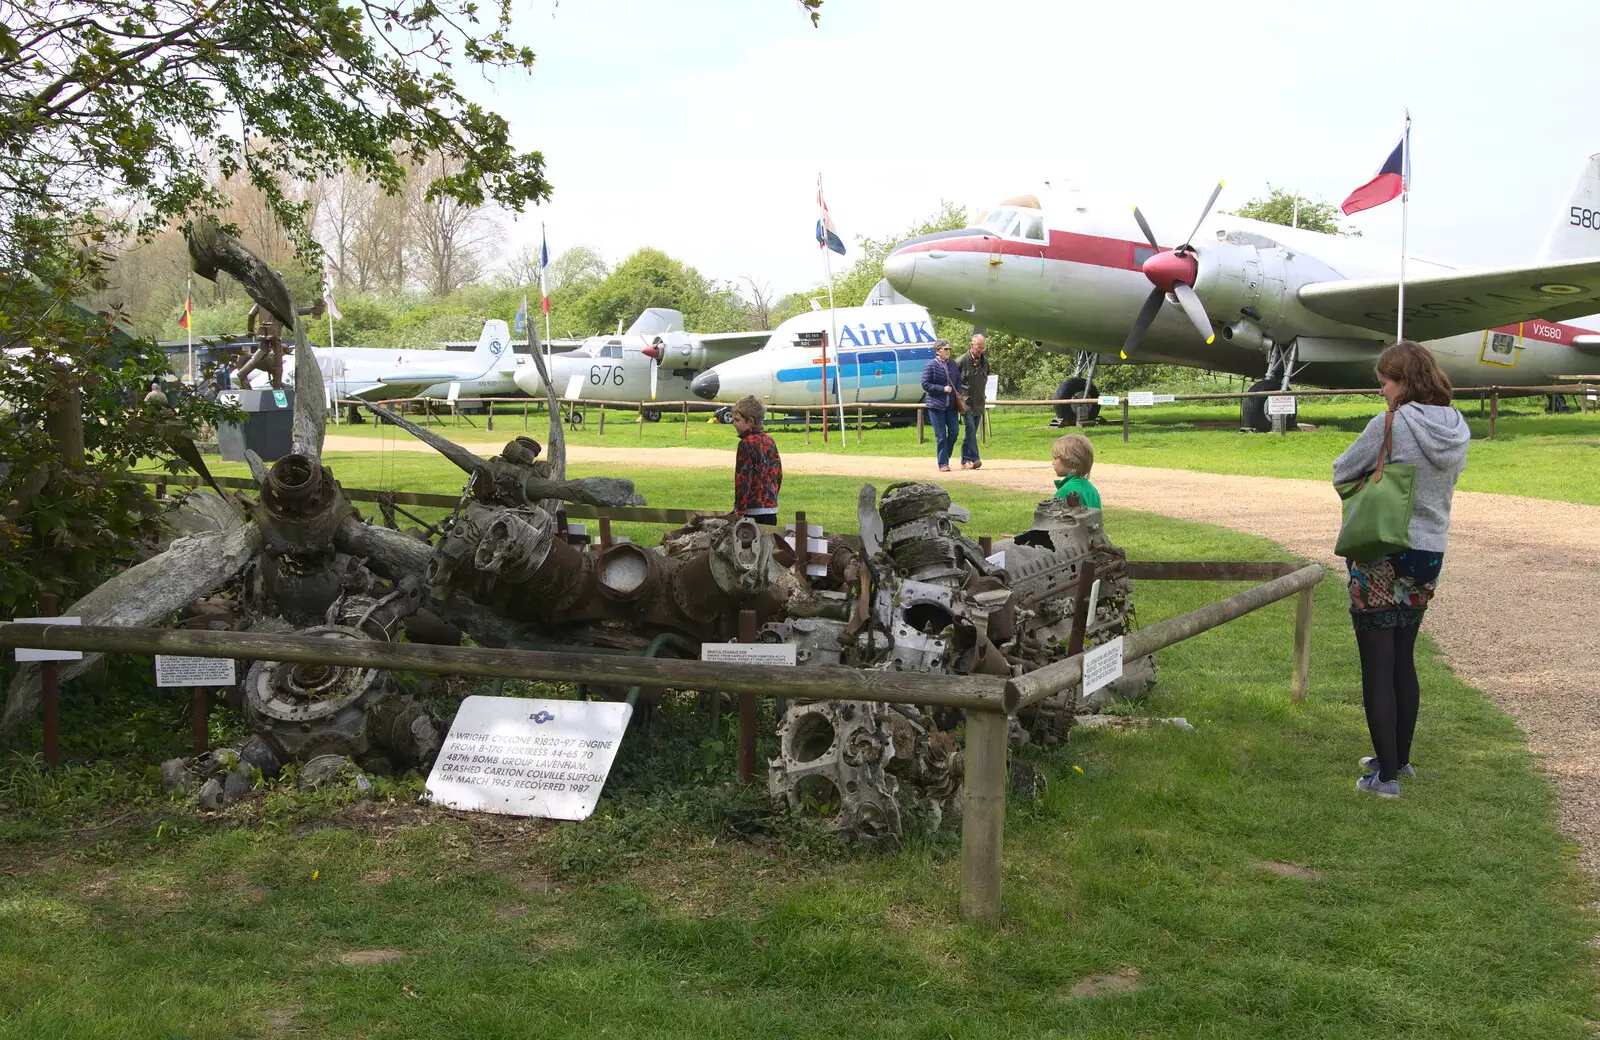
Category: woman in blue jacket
<point>941,381</point>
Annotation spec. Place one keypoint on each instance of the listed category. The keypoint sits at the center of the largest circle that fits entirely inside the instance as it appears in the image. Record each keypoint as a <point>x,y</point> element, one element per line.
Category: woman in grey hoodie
<point>1388,595</point>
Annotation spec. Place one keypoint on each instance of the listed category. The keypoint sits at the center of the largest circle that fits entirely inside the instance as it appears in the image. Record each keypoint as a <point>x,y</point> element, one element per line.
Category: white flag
<point>327,293</point>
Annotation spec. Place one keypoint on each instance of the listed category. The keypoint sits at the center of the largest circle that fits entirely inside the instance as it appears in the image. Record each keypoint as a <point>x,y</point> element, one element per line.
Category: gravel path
<point>1517,614</point>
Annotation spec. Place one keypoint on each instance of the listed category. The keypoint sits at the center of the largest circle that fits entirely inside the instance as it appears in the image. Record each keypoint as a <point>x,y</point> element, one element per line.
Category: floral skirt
<point>1392,592</point>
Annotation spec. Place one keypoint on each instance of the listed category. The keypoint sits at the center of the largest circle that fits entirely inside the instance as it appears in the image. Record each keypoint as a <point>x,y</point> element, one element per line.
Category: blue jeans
<point>946,427</point>
<point>969,445</point>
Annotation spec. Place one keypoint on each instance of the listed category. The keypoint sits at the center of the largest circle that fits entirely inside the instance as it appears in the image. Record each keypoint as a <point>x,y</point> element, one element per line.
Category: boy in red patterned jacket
<point>757,471</point>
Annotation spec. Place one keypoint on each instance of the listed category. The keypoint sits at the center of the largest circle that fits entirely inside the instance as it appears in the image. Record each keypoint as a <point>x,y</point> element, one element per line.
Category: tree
<point>450,238</point>
<point>648,278</point>
<point>578,267</point>
<point>1292,210</point>
<point>761,303</point>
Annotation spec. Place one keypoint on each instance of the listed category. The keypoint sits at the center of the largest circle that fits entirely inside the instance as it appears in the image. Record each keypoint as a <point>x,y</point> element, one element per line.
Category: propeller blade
<point>1190,301</point>
<point>655,372</point>
<point>1212,201</point>
<point>1141,324</point>
<point>1144,226</point>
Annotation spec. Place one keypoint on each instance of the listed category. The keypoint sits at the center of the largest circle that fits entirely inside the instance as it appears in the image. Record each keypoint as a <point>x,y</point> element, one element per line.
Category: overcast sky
<point>700,126</point>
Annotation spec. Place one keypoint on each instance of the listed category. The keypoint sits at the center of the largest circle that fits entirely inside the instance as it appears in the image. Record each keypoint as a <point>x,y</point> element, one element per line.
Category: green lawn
<point>1537,455</point>
<point>1233,871</point>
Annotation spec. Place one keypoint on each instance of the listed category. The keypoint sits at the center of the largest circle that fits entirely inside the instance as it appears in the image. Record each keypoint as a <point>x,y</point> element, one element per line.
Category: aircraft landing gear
<point>354,415</point>
<point>724,415</point>
<point>1253,410</point>
<point>651,414</point>
<point>1079,384</point>
<point>574,418</point>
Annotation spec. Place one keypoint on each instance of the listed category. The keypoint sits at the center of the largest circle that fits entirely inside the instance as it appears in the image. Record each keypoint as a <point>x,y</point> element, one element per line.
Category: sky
<point>700,126</point>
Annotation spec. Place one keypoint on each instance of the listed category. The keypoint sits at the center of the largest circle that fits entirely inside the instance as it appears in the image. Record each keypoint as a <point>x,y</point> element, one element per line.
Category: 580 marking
<point>1585,218</point>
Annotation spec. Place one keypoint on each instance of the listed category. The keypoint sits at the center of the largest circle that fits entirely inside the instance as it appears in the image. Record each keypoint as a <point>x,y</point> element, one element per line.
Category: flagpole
<point>1405,214</point>
<point>188,322</point>
<point>544,293</point>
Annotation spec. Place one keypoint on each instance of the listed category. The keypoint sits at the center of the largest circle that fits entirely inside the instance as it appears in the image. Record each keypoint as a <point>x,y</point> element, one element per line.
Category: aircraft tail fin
<point>494,346</point>
<point>1576,232</point>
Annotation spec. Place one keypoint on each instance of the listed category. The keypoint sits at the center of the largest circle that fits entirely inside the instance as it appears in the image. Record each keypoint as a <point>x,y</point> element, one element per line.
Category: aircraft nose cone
<point>706,385</point>
<point>1169,268</point>
<point>899,269</point>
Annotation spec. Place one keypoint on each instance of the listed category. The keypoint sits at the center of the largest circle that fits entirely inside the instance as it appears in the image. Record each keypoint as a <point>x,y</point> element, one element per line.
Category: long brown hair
<point>1412,366</point>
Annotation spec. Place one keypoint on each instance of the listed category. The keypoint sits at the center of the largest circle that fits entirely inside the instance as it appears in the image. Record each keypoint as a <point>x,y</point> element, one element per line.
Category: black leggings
<point>1390,693</point>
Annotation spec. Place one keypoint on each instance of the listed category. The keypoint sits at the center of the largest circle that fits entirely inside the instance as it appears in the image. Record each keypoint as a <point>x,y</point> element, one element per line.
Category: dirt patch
<point>361,958</point>
<point>1293,870</point>
<point>284,1021</point>
<point>1123,980</point>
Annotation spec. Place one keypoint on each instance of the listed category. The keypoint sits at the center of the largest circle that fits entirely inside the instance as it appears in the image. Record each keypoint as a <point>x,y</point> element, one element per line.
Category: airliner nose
<point>706,385</point>
<point>899,268</point>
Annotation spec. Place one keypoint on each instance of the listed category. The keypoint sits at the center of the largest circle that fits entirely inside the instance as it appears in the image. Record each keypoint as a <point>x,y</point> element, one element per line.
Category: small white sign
<point>998,559</point>
<point>525,757</point>
<point>25,654</point>
<point>1141,398</point>
<point>194,671</point>
<point>1280,405</point>
<point>452,392</point>
<point>991,388</point>
<point>1102,665</point>
<point>1165,398</point>
<point>1110,400</point>
<point>574,387</point>
<point>1092,605</point>
<point>748,653</point>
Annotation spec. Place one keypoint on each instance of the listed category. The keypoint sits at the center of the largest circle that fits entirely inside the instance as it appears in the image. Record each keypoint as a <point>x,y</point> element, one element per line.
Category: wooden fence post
<point>747,704</point>
<point>525,416</point>
<point>1307,598</point>
<point>984,816</point>
<point>686,420</point>
<point>808,425</point>
<point>859,418</point>
<point>922,417</point>
<point>1494,409</point>
<point>602,431</point>
<point>1124,418</point>
<point>50,692</point>
<point>198,710</point>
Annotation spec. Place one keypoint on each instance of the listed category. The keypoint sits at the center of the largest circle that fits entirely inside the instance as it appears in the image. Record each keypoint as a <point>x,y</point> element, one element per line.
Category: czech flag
<point>1393,178</point>
<point>827,235</point>
<point>188,310</point>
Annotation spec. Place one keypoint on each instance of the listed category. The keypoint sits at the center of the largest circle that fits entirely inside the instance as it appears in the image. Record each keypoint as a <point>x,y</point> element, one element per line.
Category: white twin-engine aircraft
<point>375,374</point>
<point>655,360</point>
<point>1249,297</point>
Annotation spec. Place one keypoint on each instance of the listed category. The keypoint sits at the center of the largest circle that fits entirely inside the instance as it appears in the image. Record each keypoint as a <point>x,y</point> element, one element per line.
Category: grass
<point>1533,454</point>
<point>1454,912</point>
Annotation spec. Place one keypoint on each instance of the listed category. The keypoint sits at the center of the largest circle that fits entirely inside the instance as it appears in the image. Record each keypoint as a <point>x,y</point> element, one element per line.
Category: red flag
<point>1393,178</point>
<point>188,309</point>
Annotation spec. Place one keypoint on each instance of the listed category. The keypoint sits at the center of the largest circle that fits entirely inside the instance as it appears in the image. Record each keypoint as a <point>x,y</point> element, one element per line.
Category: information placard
<point>1165,398</point>
<point>194,671</point>
<point>1109,400</point>
<point>1280,405</point>
<point>522,756</point>
<point>25,654</point>
<point>1141,398</point>
<point>991,390</point>
<point>1102,665</point>
<point>748,653</point>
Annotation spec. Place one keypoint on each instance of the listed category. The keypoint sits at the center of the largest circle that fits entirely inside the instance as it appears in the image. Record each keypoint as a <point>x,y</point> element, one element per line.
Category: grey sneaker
<point>1370,763</point>
<point>1381,788</point>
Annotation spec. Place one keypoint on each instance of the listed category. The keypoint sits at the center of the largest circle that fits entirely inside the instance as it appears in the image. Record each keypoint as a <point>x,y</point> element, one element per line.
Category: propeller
<point>1172,271</point>
<point>653,352</point>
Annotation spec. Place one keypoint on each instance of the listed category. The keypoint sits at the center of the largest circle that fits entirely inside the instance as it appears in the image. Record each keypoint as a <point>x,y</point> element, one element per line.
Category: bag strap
<point>1388,444</point>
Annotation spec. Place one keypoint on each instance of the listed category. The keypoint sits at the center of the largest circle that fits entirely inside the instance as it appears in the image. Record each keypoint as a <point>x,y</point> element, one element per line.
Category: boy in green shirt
<point>1073,458</point>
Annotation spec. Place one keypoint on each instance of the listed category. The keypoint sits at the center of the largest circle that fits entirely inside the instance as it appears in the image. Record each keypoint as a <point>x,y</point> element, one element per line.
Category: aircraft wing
<point>725,346</point>
<point>1466,301</point>
<point>407,383</point>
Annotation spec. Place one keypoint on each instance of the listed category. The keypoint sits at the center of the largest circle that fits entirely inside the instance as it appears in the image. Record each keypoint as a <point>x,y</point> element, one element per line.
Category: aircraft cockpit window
<point>612,350</point>
<point>1030,227</point>
<point>998,221</point>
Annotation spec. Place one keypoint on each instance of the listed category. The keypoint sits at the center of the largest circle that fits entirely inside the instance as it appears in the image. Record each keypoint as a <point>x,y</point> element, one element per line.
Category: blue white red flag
<point>544,262</point>
<point>827,235</point>
<point>521,322</point>
<point>1393,178</point>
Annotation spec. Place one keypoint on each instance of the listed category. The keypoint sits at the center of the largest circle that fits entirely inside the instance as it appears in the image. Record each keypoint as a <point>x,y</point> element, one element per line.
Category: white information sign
<point>1141,398</point>
<point>574,387</point>
<point>25,654</point>
<point>525,757</point>
<point>748,653</point>
<point>1280,405</point>
<point>452,392</point>
<point>991,390</point>
<point>194,671</point>
<point>1102,665</point>
<point>1164,399</point>
<point>1109,400</point>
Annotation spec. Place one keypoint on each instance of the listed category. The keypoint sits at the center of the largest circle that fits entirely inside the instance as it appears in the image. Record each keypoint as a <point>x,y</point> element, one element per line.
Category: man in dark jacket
<point>974,369</point>
<point>941,381</point>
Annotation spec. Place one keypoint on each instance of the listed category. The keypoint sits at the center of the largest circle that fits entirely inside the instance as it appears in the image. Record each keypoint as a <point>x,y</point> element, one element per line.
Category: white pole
<point>838,353</point>
<point>544,294</point>
<point>188,321</point>
<point>1405,213</point>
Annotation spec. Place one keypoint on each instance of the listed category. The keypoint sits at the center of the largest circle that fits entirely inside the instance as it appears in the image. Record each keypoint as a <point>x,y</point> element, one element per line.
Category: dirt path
<point>1517,615</point>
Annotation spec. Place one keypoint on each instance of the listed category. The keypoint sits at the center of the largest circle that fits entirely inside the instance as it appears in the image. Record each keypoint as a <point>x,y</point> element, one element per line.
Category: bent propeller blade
<point>1141,324</point>
<point>1189,300</point>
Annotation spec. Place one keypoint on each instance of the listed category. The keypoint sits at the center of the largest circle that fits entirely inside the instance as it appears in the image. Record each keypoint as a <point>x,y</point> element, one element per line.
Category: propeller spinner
<point>1172,271</point>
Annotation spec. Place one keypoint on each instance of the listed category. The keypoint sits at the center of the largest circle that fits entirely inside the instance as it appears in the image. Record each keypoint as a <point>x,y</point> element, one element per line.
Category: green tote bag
<point>1377,507</point>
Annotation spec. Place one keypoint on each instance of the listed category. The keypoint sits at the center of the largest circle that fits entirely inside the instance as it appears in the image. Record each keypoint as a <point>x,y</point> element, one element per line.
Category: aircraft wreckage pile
<point>917,595</point>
